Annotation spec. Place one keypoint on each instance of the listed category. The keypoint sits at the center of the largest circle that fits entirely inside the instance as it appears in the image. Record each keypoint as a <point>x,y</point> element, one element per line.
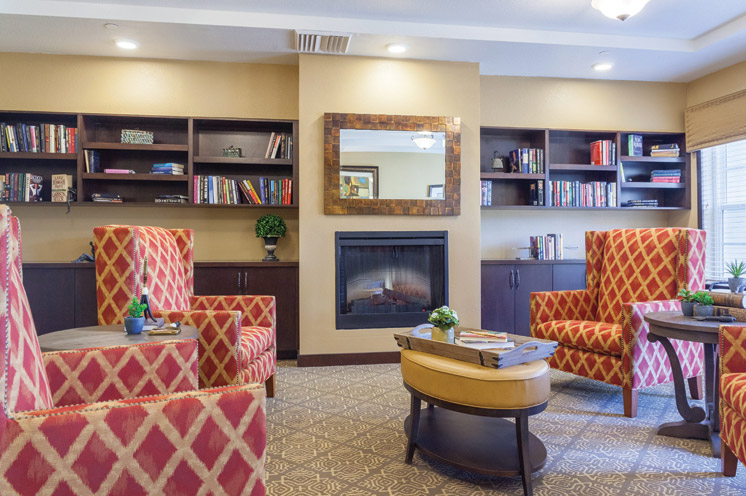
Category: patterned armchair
<point>601,331</point>
<point>116,420</point>
<point>732,397</point>
<point>236,333</point>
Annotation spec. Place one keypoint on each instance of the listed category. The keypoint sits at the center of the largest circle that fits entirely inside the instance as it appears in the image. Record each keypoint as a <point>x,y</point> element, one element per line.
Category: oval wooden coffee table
<point>106,335</point>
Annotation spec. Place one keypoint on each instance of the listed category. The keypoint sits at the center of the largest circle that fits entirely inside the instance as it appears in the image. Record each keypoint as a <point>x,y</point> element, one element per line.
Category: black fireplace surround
<point>389,278</point>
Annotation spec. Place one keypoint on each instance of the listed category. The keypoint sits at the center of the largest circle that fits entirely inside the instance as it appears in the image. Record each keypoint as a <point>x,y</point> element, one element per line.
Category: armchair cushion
<point>254,341</point>
<point>733,392</point>
<point>598,337</point>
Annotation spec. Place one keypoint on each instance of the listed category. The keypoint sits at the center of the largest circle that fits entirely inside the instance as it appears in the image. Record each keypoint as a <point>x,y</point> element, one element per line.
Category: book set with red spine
<point>603,152</point>
<point>38,138</point>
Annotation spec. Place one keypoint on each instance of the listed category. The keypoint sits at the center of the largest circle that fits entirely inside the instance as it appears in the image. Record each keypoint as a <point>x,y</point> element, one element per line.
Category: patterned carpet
<point>339,431</point>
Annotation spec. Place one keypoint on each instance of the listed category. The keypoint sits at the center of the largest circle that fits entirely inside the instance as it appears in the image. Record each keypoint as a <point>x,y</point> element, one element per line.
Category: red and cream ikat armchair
<point>732,397</point>
<point>601,331</point>
<point>236,333</point>
<point>116,420</point>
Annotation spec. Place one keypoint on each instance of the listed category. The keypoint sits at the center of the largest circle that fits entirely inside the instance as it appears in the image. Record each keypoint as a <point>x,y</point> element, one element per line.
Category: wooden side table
<point>698,423</point>
<point>108,335</point>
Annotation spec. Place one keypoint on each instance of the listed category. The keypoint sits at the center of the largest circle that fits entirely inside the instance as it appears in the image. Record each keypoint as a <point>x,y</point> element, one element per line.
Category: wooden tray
<point>526,349</point>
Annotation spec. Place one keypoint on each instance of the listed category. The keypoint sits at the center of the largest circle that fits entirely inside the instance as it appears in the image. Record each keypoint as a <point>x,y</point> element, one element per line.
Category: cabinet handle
<point>517,279</point>
<point>239,283</point>
<point>246,282</point>
<point>510,279</point>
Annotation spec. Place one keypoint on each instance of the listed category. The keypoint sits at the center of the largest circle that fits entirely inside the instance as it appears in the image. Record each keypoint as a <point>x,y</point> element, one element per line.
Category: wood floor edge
<point>349,359</point>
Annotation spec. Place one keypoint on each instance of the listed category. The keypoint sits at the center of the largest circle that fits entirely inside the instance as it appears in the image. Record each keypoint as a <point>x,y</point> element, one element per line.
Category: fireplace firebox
<point>389,278</point>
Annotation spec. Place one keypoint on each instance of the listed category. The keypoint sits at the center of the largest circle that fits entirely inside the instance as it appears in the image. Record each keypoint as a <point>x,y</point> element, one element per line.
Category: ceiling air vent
<point>320,42</point>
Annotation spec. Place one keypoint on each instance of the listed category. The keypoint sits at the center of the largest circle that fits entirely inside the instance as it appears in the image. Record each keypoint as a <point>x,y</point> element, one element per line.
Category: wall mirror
<point>391,164</point>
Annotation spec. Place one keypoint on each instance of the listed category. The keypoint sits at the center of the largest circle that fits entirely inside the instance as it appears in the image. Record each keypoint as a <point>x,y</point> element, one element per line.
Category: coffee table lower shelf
<point>484,445</point>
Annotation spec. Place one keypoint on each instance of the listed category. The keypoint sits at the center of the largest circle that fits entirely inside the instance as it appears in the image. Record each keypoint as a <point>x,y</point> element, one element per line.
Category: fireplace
<point>389,278</point>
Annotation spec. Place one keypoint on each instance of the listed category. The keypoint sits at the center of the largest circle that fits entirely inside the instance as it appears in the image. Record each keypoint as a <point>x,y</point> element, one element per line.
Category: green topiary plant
<point>136,308</point>
<point>686,295</point>
<point>443,318</point>
<point>270,226</point>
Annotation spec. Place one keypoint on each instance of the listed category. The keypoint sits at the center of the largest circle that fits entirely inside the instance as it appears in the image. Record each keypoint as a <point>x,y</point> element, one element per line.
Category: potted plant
<point>444,319</point>
<point>703,308</point>
<point>736,270</point>
<point>135,320</point>
<point>688,300</point>
<point>270,227</point>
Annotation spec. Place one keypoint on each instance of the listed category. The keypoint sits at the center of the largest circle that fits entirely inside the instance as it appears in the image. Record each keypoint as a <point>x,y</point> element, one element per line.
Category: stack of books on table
<point>168,168</point>
<point>669,150</point>
<point>106,197</point>
<point>484,340</point>
<point>640,203</point>
<point>665,176</point>
<point>733,304</point>
<point>172,199</point>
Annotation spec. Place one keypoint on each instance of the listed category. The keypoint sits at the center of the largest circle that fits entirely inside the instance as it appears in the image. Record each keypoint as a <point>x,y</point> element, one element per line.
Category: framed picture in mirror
<point>358,181</point>
<point>435,191</point>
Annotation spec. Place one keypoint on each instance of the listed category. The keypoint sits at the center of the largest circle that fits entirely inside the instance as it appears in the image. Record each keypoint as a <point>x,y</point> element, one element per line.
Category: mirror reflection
<point>381,164</point>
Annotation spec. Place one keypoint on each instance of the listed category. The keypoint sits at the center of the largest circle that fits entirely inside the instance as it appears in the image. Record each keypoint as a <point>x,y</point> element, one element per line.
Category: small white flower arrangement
<point>443,318</point>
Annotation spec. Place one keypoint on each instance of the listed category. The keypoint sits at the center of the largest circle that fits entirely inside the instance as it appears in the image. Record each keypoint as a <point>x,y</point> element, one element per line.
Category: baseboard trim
<point>349,359</point>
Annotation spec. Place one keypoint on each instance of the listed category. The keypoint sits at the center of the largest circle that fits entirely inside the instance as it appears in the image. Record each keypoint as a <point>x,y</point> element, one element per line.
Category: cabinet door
<point>217,281</point>
<point>568,276</point>
<point>51,296</point>
<point>86,307</point>
<point>529,279</point>
<point>498,298</point>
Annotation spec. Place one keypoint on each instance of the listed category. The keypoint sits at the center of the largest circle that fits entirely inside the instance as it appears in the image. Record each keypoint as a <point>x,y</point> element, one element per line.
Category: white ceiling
<point>670,40</point>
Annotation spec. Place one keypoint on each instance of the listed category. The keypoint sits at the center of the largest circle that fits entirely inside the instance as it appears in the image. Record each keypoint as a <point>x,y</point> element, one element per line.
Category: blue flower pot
<point>133,325</point>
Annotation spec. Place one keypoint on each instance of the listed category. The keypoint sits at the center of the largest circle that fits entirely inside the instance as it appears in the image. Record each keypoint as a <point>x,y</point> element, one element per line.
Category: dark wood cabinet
<point>279,279</point>
<point>507,285</point>
<point>61,295</point>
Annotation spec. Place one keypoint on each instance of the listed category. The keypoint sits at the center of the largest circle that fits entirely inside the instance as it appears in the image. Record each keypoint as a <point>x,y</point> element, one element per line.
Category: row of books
<point>603,152</point>
<point>485,198</point>
<point>733,304</point>
<point>536,193</point>
<point>667,150</point>
<point>107,197</point>
<point>547,247</point>
<point>169,168</point>
<point>41,138</point>
<point>577,194</point>
<point>223,190</point>
<point>665,176</point>
<point>527,160</point>
<point>640,203</point>
<point>280,146</point>
<point>172,199</point>
<point>20,187</point>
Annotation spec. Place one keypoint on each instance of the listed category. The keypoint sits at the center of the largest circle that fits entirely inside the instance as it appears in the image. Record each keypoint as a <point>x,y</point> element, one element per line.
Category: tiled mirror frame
<point>334,205</point>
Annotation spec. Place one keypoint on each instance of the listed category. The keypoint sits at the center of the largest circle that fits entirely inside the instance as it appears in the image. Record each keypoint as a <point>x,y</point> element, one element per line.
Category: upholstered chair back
<point>636,265</point>
<point>22,375</point>
<point>120,257</point>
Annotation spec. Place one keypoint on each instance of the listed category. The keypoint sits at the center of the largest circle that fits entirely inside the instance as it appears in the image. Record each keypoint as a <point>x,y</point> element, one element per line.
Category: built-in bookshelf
<point>568,178</point>
<point>268,152</point>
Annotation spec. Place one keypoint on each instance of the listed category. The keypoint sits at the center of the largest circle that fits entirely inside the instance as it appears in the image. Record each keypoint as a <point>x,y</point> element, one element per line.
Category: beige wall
<point>149,87</point>
<point>385,86</point>
<point>402,175</point>
<point>557,103</point>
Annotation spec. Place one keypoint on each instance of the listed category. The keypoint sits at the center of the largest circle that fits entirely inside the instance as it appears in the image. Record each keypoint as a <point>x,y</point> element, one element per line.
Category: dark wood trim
<point>244,264</point>
<point>507,261</point>
<point>349,359</point>
<point>334,205</point>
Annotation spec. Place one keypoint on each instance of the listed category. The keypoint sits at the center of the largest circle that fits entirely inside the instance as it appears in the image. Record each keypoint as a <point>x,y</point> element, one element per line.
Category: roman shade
<point>716,122</point>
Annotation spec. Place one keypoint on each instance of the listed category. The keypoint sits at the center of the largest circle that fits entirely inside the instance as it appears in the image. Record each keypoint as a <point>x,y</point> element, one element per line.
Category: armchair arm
<point>643,361</point>
<point>219,343</point>
<point>160,445</point>
<point>121,372</point>
<point>732,349</point>
<point>255,310</point>
<point>562,305</point>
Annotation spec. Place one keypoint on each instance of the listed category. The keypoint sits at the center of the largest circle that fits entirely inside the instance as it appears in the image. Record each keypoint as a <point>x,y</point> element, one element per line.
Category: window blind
<point>723,200</point>
<point>716,122</point>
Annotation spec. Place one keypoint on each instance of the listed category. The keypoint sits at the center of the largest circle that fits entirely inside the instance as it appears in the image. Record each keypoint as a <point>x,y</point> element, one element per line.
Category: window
<point>723,200</point>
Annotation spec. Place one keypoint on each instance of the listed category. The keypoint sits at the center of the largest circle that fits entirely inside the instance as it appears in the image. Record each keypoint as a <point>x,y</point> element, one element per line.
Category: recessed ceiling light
<point>127,44</point>
<point>397,47</point>
<point>602,66</point>
<point>111,25</point>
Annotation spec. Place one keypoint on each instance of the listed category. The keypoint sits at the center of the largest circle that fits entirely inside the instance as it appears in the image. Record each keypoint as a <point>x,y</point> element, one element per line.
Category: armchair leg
<point>269,385</point>
<point>630,402</point>
<point>695,387</point>
<point>728,461</point>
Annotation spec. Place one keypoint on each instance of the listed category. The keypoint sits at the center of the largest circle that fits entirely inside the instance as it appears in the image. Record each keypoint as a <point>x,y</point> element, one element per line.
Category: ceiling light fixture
<point>111,25</point>
<point>127,44</point>
<point>619,9</point>
<point>603,66</point>
<point>424,140</point>
<point>397,47</point>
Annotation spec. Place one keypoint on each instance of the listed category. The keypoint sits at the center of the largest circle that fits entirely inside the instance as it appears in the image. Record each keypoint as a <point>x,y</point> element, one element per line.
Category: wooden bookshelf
<point>567,158</point>
<point>196,143</point>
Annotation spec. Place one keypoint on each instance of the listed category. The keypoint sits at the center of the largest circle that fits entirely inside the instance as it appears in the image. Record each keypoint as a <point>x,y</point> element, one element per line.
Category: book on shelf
<point>167,168</point>
<point>106,197</point>
<point>38,138</point>
<point>536,193</point>
<point>280,145</point>
<point>60,185</point>
<point>21,187</point>
<point>665,150</point>
<point>526,160</point>
<point>485,197</point>
<point>603,152</point>
<point>119,171</point>
<point>577,194</point>
<point>92,160</point>
<point>634,145</point>
<point>547,247</point>
<point>171,199</point>
<point>228,191</point>
<point>640,203</point>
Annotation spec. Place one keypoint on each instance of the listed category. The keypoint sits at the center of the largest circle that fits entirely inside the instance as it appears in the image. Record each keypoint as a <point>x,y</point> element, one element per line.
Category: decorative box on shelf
<point>137,137</point>
<point>232,152</point>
